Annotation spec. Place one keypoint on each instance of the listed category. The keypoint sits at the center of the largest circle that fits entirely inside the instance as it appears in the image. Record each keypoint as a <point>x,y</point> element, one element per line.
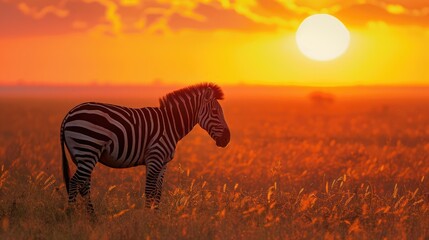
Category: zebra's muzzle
<point>224,139</point>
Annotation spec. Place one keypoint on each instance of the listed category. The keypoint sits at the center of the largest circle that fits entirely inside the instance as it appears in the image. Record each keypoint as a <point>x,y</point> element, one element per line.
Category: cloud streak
<point>40,13</point>
<point>116,17</point>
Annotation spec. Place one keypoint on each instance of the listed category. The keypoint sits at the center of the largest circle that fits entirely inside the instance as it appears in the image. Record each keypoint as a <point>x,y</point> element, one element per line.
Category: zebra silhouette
<point>122,137</point>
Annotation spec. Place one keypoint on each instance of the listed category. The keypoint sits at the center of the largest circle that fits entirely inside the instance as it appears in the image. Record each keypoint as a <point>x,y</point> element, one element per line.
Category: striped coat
<point>122,137</point>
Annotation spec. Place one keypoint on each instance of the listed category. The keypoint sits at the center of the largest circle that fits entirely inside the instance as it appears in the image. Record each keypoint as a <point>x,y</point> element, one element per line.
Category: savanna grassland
<point>294,169</point>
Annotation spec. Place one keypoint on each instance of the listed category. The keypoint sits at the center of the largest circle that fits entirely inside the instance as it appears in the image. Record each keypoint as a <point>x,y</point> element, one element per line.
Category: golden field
<point>294,169</point>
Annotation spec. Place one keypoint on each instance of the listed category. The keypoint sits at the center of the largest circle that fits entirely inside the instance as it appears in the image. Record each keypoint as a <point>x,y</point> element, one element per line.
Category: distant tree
<point>321,98</point>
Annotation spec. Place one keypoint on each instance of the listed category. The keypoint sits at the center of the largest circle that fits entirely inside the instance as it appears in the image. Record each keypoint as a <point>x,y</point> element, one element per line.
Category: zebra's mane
<point>217,92</point>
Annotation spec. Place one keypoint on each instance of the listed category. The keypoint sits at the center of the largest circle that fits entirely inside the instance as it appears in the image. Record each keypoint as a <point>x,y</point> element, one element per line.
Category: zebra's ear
<point>208,94</point>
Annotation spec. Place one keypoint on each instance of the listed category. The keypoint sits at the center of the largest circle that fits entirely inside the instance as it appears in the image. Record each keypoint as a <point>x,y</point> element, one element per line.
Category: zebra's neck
<point>182,115</point>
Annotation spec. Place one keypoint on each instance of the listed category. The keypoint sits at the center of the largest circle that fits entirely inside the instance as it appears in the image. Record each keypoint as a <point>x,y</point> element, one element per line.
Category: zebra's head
<point>210,116</point>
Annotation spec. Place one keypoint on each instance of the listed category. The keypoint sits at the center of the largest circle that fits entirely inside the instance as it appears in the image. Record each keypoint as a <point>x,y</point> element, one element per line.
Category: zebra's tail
<point>66,169</point>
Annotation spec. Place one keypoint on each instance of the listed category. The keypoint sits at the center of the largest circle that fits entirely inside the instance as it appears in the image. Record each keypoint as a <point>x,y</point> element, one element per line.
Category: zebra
<point>122,137</point>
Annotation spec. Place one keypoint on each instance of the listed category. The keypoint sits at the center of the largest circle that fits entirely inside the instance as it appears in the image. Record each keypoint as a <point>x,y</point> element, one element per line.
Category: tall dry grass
<point>353,169</point>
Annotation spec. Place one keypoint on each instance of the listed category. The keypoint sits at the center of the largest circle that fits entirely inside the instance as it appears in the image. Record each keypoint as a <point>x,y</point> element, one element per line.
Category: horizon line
<point>160,85</point>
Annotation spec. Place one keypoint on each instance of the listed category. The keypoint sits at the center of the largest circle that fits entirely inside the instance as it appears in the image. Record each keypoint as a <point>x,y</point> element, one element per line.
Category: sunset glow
<point>214,119</point>
<point>228,42</point>
<point>322,37</point>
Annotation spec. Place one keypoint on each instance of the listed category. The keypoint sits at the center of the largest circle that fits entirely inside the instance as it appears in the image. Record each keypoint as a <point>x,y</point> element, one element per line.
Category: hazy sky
<point>243,41</point>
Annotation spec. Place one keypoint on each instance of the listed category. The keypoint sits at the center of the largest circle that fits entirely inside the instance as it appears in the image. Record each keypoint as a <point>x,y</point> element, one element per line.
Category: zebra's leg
<point>153,170</point>
<point>159,183</point>
<point>85,192</point>
<point>73,189</point>
<point>81,177</point>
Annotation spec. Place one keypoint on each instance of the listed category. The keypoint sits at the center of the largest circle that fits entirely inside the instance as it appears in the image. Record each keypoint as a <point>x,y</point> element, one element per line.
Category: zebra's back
<point>118,136</point>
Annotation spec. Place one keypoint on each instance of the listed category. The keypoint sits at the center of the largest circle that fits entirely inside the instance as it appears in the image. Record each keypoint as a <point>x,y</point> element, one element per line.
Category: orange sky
<point>227,42</point>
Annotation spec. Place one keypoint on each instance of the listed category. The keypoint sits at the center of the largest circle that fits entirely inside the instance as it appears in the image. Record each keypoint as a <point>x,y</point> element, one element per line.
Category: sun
<point>322,37</point>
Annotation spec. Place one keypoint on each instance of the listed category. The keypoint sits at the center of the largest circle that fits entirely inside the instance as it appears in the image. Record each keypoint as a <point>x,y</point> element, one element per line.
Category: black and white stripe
<point>122,137</point>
